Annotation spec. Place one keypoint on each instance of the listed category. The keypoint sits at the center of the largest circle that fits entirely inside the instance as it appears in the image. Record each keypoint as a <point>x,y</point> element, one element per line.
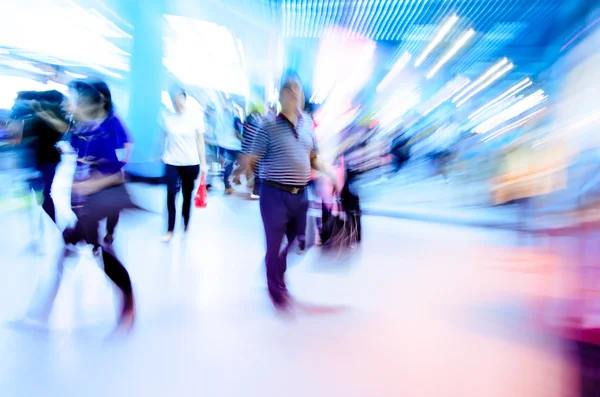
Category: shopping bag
<point>201,199</point>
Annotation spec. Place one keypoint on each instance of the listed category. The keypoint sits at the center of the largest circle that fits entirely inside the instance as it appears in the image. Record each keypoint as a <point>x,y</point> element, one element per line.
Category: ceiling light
<point>455,48</point>
<point>444,30</point>
<point>514,125</point>
<point>482,78</point>
<point>515,89</point>
<point>518,108</point>
<point>489,82</point>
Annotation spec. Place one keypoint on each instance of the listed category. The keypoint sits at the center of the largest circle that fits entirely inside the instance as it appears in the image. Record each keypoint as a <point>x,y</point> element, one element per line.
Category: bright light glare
<point>455,48</point>
<point>343,66</point>
<point>403,100</point>
<point>398,66</point>
<point>481,79</point>
<point>489,82</point>
<point>515,89</point>
<point>67,33</point>
<point>204,54</point>
<point>444,30</point>
<point>514,125</point>
<point>518,108</point>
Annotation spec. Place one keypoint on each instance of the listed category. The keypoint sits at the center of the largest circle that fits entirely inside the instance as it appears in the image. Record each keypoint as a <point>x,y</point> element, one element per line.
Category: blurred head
<point>89,102</point>
<point>291,95</point>
<point>179,98</point>
<point>104,91</point>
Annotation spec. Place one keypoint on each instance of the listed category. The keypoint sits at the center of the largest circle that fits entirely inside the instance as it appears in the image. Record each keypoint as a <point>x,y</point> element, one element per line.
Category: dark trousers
<point>283,214</point>
<point>229,159</point>
<point>48,171</point>
<point>111,223</point>
<point>184,176</point>
<point>98,206</point>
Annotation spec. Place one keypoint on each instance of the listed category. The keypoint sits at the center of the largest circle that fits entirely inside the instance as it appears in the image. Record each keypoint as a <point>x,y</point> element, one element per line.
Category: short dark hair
<point>91,91</point>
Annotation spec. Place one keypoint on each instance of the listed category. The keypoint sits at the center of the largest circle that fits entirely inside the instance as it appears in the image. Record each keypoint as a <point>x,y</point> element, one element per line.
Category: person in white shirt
<point>183,154</point>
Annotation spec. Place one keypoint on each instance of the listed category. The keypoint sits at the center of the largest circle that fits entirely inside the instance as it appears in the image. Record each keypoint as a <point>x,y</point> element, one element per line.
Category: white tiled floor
<point>386,322</point>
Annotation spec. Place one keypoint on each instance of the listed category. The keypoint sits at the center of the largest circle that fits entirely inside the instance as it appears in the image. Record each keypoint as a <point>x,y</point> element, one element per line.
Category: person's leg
<point>88,223</point>
<point>45,294</point>
<point>172,179</point>
<point>300,222</point>
<point>111,224</point>
<point>240,170</point>
<point>188,177</point>
<point>229,160</point>
<point>48,173</point>
<point>275,219</point>
<point>115,270</point>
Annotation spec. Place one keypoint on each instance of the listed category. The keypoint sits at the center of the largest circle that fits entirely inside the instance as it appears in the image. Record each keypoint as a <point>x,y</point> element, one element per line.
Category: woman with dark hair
<point>123,145</point>
<point>98,190</point>
<point>184,155</point>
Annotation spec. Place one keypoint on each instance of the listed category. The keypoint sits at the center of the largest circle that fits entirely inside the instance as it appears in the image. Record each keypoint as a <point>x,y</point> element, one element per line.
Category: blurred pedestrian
<point>123,144</point>
<point>230,144</point>
<point>98,193</point>
<point>287,150</point>
<point>184,156</point>
<point>43,124</point>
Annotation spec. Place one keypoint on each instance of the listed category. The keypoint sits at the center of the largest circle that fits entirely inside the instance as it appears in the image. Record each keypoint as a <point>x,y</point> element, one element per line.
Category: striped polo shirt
<point>285,151</point>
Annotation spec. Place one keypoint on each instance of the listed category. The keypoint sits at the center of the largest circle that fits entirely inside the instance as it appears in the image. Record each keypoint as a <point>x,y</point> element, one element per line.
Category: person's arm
<point>123,139</point>
<point>260,146</point>
<point>98,183</point>
<point>58,124</point>
<point>128,150</point>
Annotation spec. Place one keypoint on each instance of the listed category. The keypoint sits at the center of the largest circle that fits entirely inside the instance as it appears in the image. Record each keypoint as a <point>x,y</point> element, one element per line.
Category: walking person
<point>287,150</point>
<point>184,156</point>
<point>44,124</point>
<point>123,144</point>
<point>98,193</point>
<point>230,144</point>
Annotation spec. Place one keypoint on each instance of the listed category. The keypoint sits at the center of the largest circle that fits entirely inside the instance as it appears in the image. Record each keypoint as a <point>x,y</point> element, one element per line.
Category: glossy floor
<point>420,310</point>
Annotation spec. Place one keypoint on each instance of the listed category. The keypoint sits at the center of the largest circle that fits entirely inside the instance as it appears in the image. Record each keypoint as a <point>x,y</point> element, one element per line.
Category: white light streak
<point>437,39</point>
<point>489,82</point>
<point>481,78</point>
<point>515,89</point>
<point>398,67</point>
<point>514,125</point>
<point>455,48</point>
<point>518,108</point>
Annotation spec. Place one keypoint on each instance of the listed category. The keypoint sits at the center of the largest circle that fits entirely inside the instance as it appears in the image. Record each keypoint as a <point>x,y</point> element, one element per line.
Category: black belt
<point>286,188</point>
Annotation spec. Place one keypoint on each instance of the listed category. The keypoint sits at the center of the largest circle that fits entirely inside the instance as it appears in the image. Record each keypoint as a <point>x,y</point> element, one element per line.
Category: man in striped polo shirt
<point>287,150</point>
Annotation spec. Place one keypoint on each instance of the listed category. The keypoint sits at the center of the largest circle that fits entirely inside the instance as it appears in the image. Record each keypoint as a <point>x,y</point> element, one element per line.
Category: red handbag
<point>201,199</point>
